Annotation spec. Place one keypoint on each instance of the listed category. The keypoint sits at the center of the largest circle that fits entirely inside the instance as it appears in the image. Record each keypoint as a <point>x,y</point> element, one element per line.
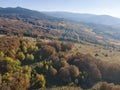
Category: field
<point>100,52</point>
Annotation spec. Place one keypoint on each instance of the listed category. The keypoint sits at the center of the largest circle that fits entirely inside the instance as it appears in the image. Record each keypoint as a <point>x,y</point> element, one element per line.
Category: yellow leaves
<point>32,48</point>
<point>9,60</point>
<point>29,57</point>
<point>41,79</point>
<point>2,54</point>
<point>20,56</point>
<point>24,49</point>
<point>6,76</point>
<point>46,67</point>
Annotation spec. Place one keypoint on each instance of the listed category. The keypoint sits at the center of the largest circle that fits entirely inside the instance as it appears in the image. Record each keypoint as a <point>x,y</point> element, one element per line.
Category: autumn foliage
<point>33,65</point>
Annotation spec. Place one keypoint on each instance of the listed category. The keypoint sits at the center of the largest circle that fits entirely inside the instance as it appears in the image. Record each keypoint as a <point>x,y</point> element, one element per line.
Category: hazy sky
<point>109,7</point>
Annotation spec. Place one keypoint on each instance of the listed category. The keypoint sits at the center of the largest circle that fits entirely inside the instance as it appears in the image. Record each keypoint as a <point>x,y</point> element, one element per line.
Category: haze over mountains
<point>60,25</point>
<point>80,17</point>
<point>88,18</point>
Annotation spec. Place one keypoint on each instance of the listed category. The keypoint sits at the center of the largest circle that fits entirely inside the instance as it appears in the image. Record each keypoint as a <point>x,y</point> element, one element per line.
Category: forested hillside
<point>40,52</point>
<point>35,24</point>
<point>35,64</point>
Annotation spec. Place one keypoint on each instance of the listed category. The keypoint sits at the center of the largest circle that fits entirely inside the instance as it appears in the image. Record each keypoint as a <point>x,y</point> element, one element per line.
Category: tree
<point>52,71</point>
<point>74,71</point>
<point>67,46</point>
<point>63,63</point>
<point>21,56</point>
<point>30,57</point>
<point>46,51</point>
<point>32,49</point>
<point>2,54</point>
<point>64,74</point>
<point>38,81</point>
<point>69,73</point>
<point>56,45</point>
<point>41,80</point>
<point>24,49</point>
<point>17,81</point>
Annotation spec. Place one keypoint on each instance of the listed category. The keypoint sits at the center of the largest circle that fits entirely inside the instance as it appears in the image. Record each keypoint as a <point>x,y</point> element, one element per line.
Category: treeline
<point>29,65</point>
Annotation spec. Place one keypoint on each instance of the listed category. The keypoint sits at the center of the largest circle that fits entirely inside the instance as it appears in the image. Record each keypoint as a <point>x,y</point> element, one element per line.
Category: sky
<point>99,7</point>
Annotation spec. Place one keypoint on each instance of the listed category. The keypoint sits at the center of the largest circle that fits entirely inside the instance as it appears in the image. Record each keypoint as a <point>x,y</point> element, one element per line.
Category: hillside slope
<point>21,21</point>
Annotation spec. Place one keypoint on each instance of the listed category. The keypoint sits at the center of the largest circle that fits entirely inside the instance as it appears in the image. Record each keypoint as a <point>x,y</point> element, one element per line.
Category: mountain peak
<point>23,12</point>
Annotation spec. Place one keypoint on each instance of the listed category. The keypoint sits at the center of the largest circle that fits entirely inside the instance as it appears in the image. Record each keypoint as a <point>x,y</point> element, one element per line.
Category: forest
<point>27,64</point>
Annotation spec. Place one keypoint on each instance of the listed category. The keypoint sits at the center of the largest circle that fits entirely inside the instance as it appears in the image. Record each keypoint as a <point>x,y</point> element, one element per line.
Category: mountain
<point>21,21</point>
<point>88,18</point>
<point>23,13</point>
<point>102,25</point>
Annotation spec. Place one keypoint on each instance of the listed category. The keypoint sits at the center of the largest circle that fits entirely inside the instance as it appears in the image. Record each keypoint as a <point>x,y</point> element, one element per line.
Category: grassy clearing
<point>97,51</point>
<point>2,35</point>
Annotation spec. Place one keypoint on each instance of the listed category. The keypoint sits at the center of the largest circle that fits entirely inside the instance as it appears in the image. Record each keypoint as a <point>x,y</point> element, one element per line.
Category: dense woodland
<point>30,65</point>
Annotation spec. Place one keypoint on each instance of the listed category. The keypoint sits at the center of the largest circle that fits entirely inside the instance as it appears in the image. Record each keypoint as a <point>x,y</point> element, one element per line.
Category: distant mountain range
<point>22,12</point>
<point>100,29</point>
<point>88,18</point>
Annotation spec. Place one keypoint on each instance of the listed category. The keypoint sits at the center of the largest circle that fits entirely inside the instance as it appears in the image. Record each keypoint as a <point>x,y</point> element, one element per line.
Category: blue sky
<point>100,7</point>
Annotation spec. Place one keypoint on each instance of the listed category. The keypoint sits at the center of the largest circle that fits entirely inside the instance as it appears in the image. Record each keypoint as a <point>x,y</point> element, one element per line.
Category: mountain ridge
<point>88,18</point>
<point>23,12</point>
<point>42,25</point>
